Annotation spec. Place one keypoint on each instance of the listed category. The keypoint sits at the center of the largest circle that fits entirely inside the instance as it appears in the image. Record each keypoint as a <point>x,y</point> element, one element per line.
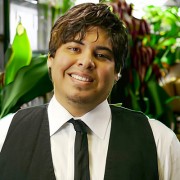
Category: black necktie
<point>81,155</point>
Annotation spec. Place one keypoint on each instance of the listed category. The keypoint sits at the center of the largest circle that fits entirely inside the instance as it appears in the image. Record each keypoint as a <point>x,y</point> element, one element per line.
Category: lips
<point>82,78</point>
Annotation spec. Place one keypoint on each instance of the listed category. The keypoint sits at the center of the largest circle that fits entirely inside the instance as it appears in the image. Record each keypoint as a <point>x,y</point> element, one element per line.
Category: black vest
<point>26,154</point>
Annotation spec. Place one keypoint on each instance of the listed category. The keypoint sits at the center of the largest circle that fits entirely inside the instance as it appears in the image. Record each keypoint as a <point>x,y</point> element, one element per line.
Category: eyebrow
<point>104,48</point>
<point>77,41</point>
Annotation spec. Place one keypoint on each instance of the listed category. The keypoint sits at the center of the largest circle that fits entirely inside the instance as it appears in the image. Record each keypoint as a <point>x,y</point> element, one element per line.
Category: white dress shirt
<point>99,122</point>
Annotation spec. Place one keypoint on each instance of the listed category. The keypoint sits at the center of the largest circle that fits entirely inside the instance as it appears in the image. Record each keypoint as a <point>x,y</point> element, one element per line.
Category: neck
<point>76,109</point>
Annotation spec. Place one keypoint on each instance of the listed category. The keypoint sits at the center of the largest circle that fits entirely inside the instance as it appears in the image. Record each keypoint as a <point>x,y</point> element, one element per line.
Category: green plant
<point>139,87</point>
<point>31,81</point>
<point>19,54</point>
<point>165,34</point>
<point>54,8</point>
<point>25,77</point>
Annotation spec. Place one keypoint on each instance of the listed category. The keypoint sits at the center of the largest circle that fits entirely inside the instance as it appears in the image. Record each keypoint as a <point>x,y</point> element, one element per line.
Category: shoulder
<point>31,116</point>
<point>5,123</point>
<point>30,113</point>
<point>121,109</point>
<point>4,126</point>
<point>161,131</point>
<point>31,110</point>
<point>164,136</point>
<point>27,120</point>
<point>168,150</point>
<point>128,114</point>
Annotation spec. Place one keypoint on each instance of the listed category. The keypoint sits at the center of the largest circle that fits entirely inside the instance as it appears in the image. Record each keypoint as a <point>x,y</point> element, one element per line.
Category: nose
<point>86,61</point>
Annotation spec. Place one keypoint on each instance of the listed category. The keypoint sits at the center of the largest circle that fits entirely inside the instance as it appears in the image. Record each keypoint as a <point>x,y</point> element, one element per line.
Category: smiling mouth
<point>81,78</point>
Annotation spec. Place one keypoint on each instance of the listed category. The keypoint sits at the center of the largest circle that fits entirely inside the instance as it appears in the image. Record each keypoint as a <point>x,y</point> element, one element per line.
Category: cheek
<point>107,76</point>
<point>61,64</point>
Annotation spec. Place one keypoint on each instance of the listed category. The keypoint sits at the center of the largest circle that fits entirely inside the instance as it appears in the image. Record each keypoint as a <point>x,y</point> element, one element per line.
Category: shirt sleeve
<point>175,159</point>
<point>4,126</point>
<point>168,151</point>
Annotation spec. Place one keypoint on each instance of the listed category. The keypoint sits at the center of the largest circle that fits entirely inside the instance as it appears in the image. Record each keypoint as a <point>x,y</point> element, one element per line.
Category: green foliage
<point>154,46</point>
<point>31,81</point>
<point>165,33</point>
<point>25,77</point>
<point>54,9</point>
<point>18,55</point>
<point>66,5</point>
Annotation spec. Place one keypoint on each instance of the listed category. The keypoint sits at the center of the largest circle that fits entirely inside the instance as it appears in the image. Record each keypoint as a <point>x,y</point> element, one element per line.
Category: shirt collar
<point>97,119</point>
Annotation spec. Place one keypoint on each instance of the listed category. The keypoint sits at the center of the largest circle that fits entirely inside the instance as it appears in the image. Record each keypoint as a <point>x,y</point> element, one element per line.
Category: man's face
<point>83,72</point>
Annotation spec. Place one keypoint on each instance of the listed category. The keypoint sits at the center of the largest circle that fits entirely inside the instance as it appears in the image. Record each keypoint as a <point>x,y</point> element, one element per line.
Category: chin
<point>85,100</point>
<point>79,99</point>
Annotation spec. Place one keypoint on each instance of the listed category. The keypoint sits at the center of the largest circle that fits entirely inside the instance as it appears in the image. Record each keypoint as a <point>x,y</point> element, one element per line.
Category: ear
<point>117,77</point>
<point>49,61</point>
<point>49,64</point>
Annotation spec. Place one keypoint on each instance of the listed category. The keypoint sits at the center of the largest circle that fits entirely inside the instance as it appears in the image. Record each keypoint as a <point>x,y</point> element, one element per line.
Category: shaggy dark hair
<point>80,18</point>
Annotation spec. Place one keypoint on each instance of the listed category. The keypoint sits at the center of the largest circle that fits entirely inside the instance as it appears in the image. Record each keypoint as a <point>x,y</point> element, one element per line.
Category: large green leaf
<point>31,81</point>
<point>137,83</point>
<point>148,74</point>
<point>66,4</point>
<point>21,54</point>
<point>134,101</point>
<point>8,54</point>
<point>166,42</point>
<point>157,96</point>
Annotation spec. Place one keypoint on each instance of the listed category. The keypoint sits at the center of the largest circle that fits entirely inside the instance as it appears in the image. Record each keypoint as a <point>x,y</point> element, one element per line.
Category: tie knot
<point>79,125</point>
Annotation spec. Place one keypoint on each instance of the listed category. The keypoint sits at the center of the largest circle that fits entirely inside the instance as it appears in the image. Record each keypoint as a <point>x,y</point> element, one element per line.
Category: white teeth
<point>75,76</point>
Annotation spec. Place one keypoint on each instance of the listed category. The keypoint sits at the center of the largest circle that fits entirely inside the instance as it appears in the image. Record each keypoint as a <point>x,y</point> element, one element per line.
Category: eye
<point>103,56</point>
<point>99,55</point>
<point>74,49</point>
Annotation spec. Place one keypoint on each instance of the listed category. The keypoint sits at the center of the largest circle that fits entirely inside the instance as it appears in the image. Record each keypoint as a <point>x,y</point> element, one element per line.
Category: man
<point>86,52</point>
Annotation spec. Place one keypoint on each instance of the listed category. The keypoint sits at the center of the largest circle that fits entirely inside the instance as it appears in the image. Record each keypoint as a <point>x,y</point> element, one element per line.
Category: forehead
<point>94,35</point>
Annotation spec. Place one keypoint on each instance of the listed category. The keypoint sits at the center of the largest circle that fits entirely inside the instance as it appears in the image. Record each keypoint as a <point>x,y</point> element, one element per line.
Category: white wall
<point>29,19</point>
